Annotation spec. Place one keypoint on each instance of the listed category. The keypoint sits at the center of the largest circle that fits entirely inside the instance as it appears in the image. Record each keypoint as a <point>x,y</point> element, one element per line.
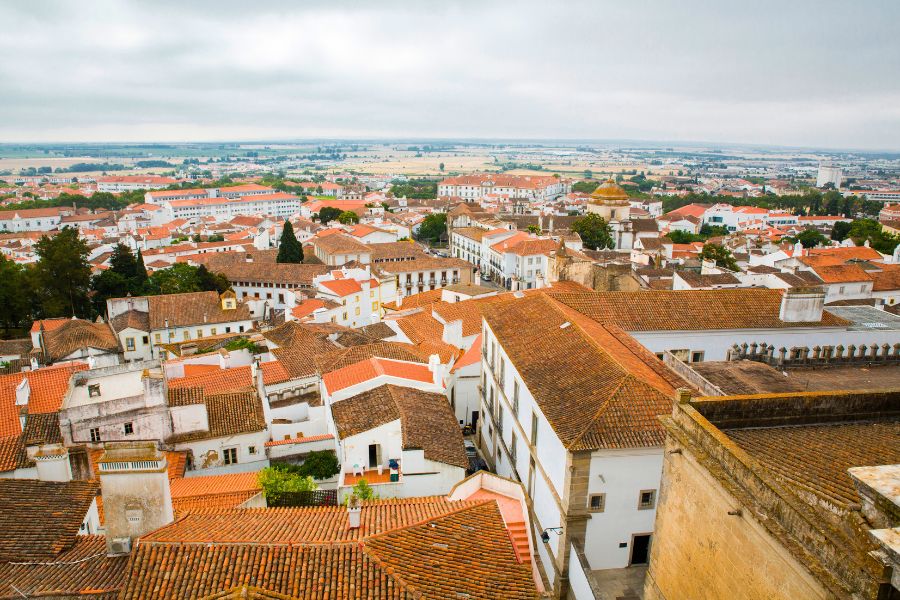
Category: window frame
<point>602,498</point>
<point>649,505</point>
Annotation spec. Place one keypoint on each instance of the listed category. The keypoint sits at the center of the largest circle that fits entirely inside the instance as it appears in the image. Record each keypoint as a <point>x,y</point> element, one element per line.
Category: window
<point>228,330</point>
<point>647,499</point>
<point>597,502</point>
<point>95,434</point>
<point>512,449</point>
<point>534,428</point>
<point>697,356</point>
<point>251,449</point>
<point>94,390</point>
<point>515,406</point>
<point>145,340</point>
<point>129,344</point>
<point>129,428</point>
<point>241,329</point>
<point>187,334</point>
<point>158,338</point>
<point>375,306</point>
<point>230,456</point>
<point>212,331</point>
<point>199,333</point>
<point>357,311</point>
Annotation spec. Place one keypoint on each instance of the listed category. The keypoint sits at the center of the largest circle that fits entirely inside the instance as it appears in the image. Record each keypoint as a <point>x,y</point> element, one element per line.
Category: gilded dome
<point>609,193</point>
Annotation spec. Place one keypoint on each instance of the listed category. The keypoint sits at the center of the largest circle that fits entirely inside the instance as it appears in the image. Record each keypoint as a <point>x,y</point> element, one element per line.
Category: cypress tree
<point>289,249</point>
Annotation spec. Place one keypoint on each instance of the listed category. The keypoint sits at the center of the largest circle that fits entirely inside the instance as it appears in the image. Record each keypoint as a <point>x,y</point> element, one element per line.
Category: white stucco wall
<point>621,475</point>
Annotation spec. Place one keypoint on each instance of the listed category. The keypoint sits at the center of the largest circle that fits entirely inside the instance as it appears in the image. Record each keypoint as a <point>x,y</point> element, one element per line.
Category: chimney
<point>708,267</point>
<point>23,391</point>
<point>134,481</point>
<point>436,368</point>
<point>400,297</point>
<point>52,462</point>
<point>802,305</point>
<point>354,510</point>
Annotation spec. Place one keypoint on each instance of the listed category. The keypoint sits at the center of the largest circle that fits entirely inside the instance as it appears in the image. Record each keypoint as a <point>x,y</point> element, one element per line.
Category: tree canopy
<point>347,217</point>
<point>327,214</point>
<point>869,230</point>
<point>720,255</point>
<point>595,232</point>
<point>419,189</point>
<point>289,249</point>
<point>62,274</point>
<point>809,238</point>
<point>433,227</point>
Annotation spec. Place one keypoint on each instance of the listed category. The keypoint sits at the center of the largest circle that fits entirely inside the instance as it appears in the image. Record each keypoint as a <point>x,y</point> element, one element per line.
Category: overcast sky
<point>788,72</point>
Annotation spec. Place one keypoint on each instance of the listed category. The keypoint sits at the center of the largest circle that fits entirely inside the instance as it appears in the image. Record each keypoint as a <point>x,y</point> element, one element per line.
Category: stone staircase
<point>519,536</point>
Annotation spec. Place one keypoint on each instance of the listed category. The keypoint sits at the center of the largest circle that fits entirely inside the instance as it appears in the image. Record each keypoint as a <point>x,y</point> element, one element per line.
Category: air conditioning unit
<point>120,546</point>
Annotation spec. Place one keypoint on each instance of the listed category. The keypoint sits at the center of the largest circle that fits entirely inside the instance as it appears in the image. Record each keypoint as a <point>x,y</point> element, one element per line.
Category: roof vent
<point>564,325</point>
<point>441,546</point>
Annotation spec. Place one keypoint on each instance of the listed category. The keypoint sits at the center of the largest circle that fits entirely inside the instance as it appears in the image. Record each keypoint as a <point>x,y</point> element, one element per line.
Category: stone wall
<point>702,551</point>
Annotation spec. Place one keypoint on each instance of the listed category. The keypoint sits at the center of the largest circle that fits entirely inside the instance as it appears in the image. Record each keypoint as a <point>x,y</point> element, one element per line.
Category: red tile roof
<point>405,548</point>
<point>216,382</point>
<point>375,367</point>
<point>48,387</point>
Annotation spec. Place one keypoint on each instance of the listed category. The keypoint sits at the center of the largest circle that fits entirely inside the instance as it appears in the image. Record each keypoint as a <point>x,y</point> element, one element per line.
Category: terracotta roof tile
<point>688,310</point>
<point>372,368</point>
<point>596,388</point>
<point>228,414</point>
<point>75,334</point>
<point>12,453</point>
<point>217,381</point>
<point>83,570</point>
<point>47,523</point>
<point>311,553</point>
<point>426,420</point>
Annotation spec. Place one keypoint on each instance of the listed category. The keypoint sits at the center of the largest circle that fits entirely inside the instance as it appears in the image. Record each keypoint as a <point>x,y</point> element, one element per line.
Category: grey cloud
<point>806,72</point>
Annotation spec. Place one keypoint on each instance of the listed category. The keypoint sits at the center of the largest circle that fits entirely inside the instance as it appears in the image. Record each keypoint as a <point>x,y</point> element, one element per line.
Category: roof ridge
<point>600,411</point>
<point>469,504</point>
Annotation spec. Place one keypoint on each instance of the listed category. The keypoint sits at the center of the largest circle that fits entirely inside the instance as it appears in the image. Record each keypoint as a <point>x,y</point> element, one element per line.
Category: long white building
<point>476,186</point>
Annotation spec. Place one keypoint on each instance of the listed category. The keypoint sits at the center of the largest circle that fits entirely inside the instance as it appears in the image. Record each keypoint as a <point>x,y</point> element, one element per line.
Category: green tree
<point>588,174</point>
<point>534,229</point>
<point>140,272</point>
<point>14,305</point>
<point>211,282</point>
<point>181,278</point>
<point>63,275</point>
<point>108,284</point>
<point>841,230</point>
<point>720,255</point>
<point>595,232</point>
<point>347,217</point>
<point>122,261</point>
<point>684,237</point>
<point>869,230</point>
<point>320,464</point>
<point>327,214</point>
<point>585,187</point>
<point>363,491</point>
<point>441,167</point>
<point>289,249</point>
<point>275,483</point>
<point>809,238</point>
<point>433,227</point>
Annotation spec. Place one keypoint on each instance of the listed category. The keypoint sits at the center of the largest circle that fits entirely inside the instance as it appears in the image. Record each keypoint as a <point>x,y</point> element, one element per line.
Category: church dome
<point>609,193</point>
